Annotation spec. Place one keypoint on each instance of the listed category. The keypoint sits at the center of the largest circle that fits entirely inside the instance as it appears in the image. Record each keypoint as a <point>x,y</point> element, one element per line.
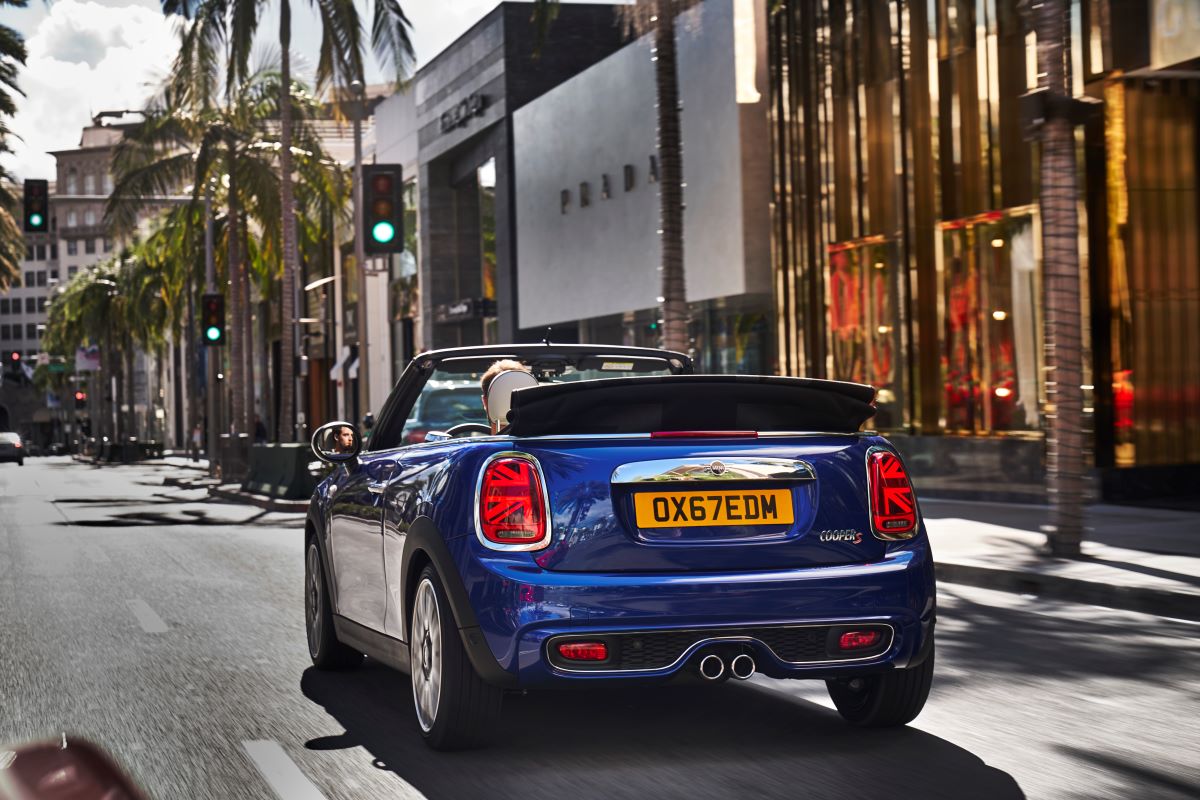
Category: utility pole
<point>210,286</point>
<point>360,256</point>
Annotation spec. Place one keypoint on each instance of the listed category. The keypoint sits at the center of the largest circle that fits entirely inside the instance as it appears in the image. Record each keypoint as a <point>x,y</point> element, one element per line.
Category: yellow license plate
<point>723,507</point>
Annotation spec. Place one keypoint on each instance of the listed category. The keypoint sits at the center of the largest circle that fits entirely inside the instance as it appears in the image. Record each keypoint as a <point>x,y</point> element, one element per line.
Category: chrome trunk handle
<point>684,470</point>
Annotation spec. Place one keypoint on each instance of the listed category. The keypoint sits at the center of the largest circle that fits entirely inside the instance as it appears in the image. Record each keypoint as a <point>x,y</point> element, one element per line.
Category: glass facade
<point>906,233</point>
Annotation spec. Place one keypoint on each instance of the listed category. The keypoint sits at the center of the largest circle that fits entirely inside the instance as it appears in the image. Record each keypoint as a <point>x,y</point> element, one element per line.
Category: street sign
<point>58,366</point>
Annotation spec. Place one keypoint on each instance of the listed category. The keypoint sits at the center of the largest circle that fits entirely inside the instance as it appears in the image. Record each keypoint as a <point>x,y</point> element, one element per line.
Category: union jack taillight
<point>512,506</point>
<point>893,504</point>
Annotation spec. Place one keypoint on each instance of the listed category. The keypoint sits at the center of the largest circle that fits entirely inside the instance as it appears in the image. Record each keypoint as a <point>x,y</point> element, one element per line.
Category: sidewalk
<point>1137,559</point>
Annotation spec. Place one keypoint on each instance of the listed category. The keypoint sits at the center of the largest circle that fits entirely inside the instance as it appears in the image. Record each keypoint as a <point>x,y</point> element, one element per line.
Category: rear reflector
<point>704,435</point>
<point>583,651</point>
<point>512,504</point>
<point>859,640</point>
<point>893,504</point>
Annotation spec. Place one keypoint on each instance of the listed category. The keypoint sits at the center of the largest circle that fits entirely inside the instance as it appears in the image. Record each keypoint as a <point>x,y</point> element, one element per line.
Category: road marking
<point>150,622</point>
<point>280,772</point>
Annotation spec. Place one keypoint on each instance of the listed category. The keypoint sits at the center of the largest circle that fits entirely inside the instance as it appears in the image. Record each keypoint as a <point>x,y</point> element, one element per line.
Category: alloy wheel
<point>425,654</point>
<point>312,600</point>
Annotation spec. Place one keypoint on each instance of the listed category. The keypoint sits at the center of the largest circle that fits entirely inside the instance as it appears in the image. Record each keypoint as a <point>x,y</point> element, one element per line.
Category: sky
<point>87,56</point>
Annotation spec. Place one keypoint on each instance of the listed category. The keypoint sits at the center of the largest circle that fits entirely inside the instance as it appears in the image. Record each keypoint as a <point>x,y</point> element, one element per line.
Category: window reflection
<point>991,359</point>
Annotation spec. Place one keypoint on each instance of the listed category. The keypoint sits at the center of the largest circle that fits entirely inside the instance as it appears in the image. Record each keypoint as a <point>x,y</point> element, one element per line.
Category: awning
<point>352,370</point>
<point>335,372</point>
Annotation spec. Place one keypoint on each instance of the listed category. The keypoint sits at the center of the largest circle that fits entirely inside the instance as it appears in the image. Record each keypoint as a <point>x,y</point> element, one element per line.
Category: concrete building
<point>587,200</point>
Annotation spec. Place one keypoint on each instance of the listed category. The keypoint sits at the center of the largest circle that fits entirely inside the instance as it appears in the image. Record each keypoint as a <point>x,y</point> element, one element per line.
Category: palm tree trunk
<point>119,398</point>
<point>1060,239</point>
<point>287,350</point>
<point>248,345</point>
<point>128,412</point>
<point>236,338</point>
<point>666,76</point>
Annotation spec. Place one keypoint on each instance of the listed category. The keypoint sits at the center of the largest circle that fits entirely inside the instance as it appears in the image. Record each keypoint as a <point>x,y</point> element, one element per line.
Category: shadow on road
<point>728,741</point>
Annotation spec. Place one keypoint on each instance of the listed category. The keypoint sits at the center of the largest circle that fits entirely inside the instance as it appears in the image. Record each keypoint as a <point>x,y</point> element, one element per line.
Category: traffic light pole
<point>210,286</point>
<point>360,256</point>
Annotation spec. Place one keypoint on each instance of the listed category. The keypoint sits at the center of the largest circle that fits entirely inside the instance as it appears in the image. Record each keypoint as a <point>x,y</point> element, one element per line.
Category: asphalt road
<point>171,630</point>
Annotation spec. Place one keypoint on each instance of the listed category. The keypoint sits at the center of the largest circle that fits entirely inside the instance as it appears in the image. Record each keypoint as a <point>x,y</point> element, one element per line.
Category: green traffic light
<point>212,333</point>
<point>383,232</point>
<point>35,220</point>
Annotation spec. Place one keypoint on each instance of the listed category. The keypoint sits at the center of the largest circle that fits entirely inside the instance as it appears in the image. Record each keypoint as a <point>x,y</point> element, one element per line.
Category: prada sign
<point>473,105</point>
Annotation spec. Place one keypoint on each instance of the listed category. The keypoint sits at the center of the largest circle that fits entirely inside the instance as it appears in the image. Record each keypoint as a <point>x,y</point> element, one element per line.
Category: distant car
<point>441,406</point>
<point>12,448</point>
<point>631,523</point>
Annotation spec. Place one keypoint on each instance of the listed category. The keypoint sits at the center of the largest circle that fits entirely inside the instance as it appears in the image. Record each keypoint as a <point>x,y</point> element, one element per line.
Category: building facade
<point>907,242</point>
<point>588,196</point>
<point>466,98</point>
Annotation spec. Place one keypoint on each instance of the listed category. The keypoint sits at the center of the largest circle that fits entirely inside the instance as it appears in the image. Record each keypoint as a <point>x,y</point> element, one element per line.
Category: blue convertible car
<point>629,522</point>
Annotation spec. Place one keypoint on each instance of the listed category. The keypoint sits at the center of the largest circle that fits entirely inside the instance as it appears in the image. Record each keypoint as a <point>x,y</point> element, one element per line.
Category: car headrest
<point>499,397</point>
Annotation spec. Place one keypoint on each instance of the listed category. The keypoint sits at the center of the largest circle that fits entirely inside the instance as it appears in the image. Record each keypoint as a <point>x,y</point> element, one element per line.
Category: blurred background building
<point>906,230</point>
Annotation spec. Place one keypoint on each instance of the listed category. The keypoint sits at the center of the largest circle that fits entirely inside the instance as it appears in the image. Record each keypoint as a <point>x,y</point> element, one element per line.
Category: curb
<point>1127,598</point>
<point>260,500</point>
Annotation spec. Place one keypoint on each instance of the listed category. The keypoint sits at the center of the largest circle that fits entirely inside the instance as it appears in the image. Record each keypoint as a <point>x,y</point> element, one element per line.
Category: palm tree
<point>193,135</point>
<point>339,62</point>
<point>12,57</point>
<point>659,17</point>
<point>1060,243</point>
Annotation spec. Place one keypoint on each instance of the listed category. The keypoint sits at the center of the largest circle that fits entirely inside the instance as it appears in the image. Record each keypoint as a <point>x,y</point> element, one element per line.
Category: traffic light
<point>383,209</point>
<point>80,400</point>
<point>37,207</point>
<point>212,319</point>
<point>15,358</point>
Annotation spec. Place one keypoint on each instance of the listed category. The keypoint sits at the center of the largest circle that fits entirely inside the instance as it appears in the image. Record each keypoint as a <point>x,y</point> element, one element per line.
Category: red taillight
<point>583,651</point>
<point>512,507</point>
<point>893,504</point>
<point>859,640</point>
<point>17,444</point>
<point>704,435</point>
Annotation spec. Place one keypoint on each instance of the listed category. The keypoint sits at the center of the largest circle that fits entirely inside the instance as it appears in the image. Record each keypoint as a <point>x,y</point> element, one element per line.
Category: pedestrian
<point>197,438</point>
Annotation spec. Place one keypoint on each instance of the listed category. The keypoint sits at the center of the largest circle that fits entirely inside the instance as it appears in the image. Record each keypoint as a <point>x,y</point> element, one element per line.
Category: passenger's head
<point>485,384</point>
<point>343,439</point>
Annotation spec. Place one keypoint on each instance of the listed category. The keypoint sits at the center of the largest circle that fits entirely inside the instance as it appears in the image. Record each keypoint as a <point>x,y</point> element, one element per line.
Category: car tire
<point>886,700</point>
<point>323,645</point>
<point>455,708</point>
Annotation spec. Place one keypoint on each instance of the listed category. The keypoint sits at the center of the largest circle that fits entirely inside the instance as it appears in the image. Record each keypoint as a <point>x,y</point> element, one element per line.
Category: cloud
<point>85,57</point>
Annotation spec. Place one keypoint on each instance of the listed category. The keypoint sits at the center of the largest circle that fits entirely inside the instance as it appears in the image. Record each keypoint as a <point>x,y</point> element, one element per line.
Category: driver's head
<point>485,383</point>
<point>343,439</point>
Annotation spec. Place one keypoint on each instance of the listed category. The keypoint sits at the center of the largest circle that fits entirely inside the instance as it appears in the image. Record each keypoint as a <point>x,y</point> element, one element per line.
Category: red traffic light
<point>16,356</point>
<point>80,396</point>
<point>381,183</point>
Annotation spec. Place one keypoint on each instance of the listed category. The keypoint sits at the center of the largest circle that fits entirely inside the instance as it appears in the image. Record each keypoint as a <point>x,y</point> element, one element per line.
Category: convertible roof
<point>690,403</point>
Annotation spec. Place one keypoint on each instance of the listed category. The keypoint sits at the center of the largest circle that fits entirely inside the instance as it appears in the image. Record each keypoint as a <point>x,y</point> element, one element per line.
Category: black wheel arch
<point>424,544</point>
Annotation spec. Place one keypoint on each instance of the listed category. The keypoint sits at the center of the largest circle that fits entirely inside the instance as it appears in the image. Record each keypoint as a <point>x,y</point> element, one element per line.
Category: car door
<point>356,538</point>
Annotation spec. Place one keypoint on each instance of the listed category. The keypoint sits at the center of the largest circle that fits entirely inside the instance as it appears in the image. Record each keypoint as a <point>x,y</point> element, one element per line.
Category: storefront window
<point>864,322</point>
<point>992,323</point>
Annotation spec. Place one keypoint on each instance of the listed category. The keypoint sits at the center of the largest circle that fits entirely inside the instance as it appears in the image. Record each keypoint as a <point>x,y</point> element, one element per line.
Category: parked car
<point>12,448</point>
<point>632,522</point>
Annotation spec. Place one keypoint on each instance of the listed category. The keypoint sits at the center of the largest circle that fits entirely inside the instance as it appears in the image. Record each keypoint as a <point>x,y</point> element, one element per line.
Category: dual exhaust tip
<point>741,667</point>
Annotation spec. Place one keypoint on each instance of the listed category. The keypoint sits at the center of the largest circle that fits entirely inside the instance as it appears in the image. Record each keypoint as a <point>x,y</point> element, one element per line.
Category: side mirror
<point>336,442</point>
<point>436,436</point>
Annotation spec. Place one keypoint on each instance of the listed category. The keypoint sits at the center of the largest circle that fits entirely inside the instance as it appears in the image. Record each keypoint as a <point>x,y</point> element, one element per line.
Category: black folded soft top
<point>690,403</point>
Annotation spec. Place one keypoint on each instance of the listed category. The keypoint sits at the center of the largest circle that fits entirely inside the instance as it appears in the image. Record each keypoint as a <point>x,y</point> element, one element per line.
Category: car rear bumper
<point>522,610</point>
